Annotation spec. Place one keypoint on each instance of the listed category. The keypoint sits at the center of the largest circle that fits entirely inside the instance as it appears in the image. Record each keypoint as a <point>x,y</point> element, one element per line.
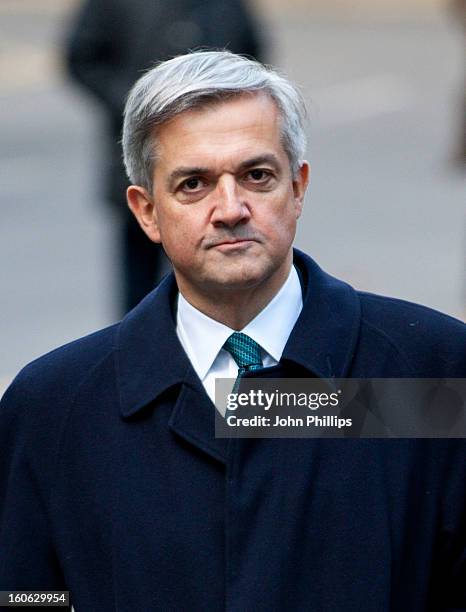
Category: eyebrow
<point>267,158</point>
<point>183,171</point>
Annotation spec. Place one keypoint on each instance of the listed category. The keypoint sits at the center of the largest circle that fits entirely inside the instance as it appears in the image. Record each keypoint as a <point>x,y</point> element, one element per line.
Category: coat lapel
<point>150,360</point>
<point>193,418</point>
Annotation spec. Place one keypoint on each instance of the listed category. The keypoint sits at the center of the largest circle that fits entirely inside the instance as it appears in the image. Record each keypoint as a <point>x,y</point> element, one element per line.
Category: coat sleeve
<point>28,559</point>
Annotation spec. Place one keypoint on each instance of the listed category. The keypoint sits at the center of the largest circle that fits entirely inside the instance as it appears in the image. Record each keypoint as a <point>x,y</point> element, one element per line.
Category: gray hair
<point>195,80</point>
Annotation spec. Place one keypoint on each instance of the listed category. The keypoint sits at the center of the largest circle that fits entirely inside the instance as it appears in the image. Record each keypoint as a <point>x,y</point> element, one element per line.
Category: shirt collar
<point>203,337</point>
<point>285,309</point>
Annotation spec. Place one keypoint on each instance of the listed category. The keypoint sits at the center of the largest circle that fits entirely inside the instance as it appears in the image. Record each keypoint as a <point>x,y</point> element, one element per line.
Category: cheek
<point>284,228</point>
<point>178,237</point>
<point>281,218</point>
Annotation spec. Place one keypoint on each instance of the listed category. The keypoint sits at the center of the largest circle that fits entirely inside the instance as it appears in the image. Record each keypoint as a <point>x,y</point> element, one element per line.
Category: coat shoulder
<point>430,342</point>
<point>59,373</point>
<point>35,410</point>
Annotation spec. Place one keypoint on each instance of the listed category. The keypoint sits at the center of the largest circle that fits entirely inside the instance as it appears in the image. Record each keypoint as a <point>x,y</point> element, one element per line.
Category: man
<point>114,486</point>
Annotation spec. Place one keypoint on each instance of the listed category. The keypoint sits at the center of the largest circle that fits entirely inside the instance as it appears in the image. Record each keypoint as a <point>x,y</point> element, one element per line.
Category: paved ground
<point>385,210</point>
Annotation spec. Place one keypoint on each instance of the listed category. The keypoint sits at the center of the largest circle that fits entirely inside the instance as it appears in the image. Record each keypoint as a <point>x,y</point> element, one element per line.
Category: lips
<point>231,242</point>
<point>226,246</point>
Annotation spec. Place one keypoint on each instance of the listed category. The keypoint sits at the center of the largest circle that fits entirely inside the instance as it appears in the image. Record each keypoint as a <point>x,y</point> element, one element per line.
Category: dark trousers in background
<point>144,263</point>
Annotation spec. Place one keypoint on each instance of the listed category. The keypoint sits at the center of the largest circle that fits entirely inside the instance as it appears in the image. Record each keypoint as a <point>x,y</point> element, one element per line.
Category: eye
<point>193,183</point>
<point>258,175</point>
<point>259,179</point>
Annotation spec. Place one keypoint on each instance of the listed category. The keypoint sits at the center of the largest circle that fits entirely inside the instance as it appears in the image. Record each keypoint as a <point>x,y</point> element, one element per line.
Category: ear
<point>300,183</point>
<point>143,208</point>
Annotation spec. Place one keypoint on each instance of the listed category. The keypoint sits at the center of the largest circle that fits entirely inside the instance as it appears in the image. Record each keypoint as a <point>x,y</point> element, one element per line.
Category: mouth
<point>232,245</point>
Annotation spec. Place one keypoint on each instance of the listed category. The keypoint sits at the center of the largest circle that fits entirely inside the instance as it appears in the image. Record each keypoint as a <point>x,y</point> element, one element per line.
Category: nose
<point>230,208</point>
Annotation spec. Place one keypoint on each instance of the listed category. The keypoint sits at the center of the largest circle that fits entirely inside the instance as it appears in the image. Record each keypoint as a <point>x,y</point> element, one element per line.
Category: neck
<point>236,308</point>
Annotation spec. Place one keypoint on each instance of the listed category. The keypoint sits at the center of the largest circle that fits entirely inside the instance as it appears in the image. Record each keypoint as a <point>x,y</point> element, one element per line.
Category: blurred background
<point>386,206</point>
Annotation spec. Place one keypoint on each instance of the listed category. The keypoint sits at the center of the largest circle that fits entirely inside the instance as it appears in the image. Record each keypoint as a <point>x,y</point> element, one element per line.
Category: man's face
<point>224,203</point>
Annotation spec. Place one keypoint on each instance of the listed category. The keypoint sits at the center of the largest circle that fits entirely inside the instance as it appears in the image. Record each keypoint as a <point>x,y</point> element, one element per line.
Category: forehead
<point>221,134</point>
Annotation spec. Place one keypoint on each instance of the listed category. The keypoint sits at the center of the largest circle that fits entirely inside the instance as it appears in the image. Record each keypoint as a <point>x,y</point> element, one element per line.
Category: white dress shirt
<point>203,338</point>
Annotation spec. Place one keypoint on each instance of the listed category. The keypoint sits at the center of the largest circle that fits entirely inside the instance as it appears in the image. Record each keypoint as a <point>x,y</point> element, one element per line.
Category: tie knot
<point>244,350</point>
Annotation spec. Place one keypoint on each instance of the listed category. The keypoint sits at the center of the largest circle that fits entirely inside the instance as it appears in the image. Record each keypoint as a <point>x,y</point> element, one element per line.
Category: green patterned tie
<point>246,352</point>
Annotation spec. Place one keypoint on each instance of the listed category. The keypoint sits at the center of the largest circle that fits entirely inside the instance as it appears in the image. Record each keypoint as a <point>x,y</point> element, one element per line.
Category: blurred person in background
<point>110,43</point>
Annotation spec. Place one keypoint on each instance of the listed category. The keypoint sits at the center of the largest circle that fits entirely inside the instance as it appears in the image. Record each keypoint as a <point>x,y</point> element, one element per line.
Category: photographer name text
<point>288,421</point>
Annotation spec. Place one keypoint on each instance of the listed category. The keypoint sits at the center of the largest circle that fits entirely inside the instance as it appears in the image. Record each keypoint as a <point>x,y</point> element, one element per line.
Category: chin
<point>241,279</point>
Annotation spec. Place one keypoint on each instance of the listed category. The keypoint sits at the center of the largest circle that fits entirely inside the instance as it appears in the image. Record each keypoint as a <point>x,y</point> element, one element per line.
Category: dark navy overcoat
<point>114,487</point>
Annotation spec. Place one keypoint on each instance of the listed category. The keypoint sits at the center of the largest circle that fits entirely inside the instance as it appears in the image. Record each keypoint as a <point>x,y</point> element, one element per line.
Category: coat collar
<point>324,338</point>
<point>151,360</point>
